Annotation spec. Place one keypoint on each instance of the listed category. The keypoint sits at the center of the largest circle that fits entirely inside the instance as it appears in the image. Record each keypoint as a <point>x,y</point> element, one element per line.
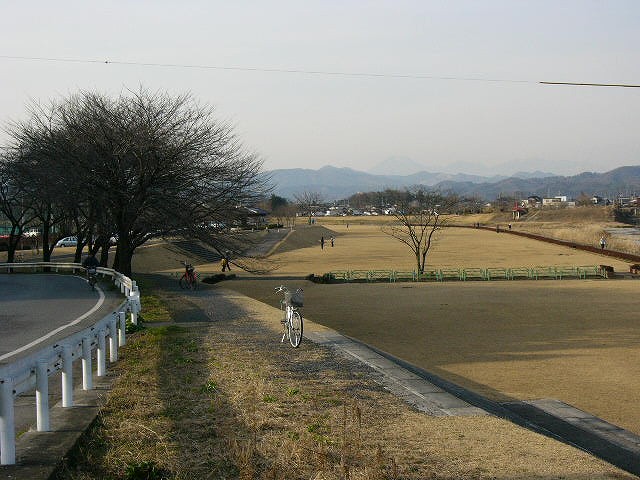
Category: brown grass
<point>226,400</point>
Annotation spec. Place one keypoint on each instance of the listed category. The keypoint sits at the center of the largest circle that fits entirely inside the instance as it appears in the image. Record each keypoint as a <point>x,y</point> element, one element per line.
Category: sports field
<point>573,340</point>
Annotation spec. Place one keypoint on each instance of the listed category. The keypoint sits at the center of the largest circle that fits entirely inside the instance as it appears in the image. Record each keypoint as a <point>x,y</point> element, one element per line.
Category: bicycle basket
<point>296,298</point>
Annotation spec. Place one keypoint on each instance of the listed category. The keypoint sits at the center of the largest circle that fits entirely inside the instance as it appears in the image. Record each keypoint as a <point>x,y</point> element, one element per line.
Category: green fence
<point>465,274</point>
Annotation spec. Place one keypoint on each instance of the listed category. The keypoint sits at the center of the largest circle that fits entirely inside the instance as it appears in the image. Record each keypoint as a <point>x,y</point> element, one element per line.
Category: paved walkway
<point>415,390</point>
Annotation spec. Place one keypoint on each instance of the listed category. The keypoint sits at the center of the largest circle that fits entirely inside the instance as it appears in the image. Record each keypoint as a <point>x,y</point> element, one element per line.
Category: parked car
<point>67,242</point>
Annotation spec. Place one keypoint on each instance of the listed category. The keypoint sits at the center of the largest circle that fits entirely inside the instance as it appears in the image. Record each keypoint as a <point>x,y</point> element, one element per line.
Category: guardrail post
<point>101,368</point>
<point>87,379</point>
<point>113,339</point>
<point>7,424</point>
<point>42,397</point>
<point>67,377</point>
<point>122,331</point>
<point>134,317</point>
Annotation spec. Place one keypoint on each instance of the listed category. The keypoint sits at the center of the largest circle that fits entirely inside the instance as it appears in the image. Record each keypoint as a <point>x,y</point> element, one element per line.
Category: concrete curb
<point>39,455</point>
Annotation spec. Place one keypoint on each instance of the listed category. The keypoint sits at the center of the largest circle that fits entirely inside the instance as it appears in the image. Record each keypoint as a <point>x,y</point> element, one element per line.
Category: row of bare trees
<point>141,165</point>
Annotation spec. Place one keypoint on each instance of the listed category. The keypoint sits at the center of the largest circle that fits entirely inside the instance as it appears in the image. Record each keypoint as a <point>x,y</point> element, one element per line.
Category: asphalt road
<point>36,309</point>
<point>34,305</point>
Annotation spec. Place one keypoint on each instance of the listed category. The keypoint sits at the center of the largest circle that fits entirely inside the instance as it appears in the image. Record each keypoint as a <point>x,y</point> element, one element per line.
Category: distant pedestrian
<point>322,243</point>
<point>226,265</point>
<point>603,243</point>
<point>332,240</point>
<point>509,226</point>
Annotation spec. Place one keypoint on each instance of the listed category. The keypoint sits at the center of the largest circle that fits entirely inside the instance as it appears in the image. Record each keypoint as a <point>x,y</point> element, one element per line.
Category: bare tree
<point>307,201</point>
<point>15,204</point>
<point>418,220</point>
<point>145,165</point>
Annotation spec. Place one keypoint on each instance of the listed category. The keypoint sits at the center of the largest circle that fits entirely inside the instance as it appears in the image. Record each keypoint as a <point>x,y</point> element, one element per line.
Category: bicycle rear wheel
<point>295,329</point>
<point>194,282</point>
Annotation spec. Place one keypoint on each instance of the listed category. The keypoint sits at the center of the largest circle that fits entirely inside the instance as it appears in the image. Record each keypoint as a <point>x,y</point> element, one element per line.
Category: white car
<point>67,242</point>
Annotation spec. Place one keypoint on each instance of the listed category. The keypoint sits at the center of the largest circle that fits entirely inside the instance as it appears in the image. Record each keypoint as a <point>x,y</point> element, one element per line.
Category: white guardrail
<point>22,375</point>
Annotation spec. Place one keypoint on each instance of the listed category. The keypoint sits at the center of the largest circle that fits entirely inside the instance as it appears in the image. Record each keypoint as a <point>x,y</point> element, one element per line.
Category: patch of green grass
<point>133,327</point>
<point>292,391</point>
<point>209,387</point>
<point>154,309</point>
<point>180,360</point>
<point>269,398</point>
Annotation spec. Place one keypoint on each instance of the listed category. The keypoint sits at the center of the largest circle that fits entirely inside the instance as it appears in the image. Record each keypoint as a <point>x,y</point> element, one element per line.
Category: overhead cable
<point>313,72</point>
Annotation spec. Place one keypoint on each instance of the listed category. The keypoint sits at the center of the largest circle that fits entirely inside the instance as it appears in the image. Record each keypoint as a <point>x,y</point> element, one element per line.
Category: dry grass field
<point>224,399</point>
<point>574,340</point>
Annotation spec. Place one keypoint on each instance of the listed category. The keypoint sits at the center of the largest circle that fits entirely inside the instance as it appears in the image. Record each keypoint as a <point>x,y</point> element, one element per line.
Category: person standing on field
<point>322,242</point>
<point>603,243</point>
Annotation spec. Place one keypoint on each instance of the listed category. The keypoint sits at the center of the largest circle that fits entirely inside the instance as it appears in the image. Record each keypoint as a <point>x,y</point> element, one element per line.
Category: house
<point>557,201</point>
<point>534,201</point>
<point>252,216</point>
<point>518,212</point>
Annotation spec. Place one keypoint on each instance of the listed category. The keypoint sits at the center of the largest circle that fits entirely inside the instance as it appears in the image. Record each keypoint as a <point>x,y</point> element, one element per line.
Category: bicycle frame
<point>292,320</point>
<point>189,278</point>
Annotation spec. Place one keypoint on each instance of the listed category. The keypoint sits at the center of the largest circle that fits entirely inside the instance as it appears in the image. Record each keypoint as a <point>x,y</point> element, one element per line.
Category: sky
<point>451,85</point>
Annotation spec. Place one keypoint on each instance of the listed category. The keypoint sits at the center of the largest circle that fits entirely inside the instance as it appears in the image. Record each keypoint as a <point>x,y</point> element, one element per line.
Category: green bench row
<point>532,273</point>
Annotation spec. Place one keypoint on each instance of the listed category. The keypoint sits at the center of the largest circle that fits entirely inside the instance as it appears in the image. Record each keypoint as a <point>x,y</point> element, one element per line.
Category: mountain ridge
<point>336,183</point>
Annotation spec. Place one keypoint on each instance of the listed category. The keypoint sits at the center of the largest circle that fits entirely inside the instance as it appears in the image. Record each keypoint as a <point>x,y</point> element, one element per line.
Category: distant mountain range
<point>338,183</point>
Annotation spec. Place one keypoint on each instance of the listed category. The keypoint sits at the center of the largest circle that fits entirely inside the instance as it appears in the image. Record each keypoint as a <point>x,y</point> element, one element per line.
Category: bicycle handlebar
<point>281,288</point>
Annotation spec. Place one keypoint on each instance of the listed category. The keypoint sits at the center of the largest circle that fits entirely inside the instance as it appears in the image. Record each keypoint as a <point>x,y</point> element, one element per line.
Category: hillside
<point>338,183</point>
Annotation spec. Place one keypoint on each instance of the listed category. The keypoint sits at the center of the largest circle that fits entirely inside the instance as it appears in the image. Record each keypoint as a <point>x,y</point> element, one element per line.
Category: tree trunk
<point>123,256</point>
<point>104,254</point>
<point>12,246</point>
<point>77,256</point>
<point>47,248</point>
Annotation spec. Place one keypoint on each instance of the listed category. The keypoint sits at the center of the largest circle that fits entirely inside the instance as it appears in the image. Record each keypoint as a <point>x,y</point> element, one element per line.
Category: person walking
<point>332,240</point>
<point>322,242</point>
<point>603,243</point>
<point>225,262</point>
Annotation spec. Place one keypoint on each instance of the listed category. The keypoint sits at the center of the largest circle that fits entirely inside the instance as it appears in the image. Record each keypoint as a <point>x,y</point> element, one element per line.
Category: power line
<point>623,85</point>
<point>309,72</point>
<point>266,70</point>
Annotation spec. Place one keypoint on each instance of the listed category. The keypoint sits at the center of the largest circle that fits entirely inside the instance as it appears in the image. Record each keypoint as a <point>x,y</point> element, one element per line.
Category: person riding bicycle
<point>90,263</point>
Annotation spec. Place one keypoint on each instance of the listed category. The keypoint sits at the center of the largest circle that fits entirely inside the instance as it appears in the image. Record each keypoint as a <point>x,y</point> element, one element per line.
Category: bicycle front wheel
<point>194,282</point>
<point>184,283</point>
<point>295,329</point>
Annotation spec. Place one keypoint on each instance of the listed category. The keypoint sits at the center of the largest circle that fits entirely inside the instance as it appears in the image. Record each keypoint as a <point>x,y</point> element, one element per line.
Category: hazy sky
<point>311,120</point>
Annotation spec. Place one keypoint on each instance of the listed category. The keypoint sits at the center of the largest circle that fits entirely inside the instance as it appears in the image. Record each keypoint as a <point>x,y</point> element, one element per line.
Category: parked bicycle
<point>292,319</point>
<point>189,279</point>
